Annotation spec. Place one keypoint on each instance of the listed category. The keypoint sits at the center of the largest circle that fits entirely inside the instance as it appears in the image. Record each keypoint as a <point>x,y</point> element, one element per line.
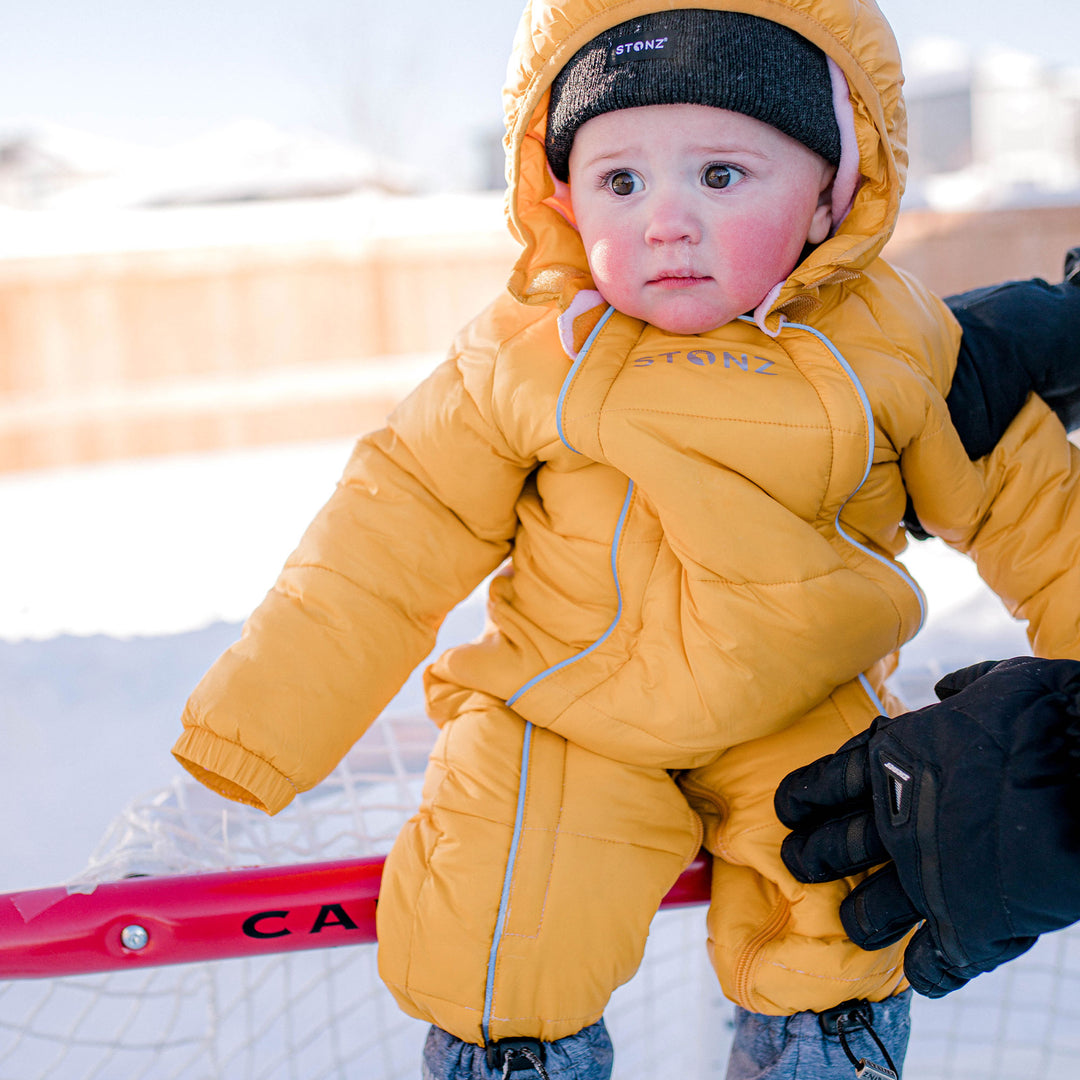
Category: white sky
<point>418,78</point>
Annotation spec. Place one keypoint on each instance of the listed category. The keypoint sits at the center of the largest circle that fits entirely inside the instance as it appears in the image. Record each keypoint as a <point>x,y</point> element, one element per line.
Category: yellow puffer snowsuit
<point>697,590</point>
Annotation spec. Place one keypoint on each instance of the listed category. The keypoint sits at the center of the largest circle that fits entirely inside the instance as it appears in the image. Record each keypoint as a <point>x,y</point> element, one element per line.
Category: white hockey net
<point>324,1014</point>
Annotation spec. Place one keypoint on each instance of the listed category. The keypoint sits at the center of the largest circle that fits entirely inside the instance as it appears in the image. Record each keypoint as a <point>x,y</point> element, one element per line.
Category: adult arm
<point>1019,338</point>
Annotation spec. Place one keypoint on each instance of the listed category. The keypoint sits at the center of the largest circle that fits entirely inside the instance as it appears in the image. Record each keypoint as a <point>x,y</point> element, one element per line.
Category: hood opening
<point>866,80</point>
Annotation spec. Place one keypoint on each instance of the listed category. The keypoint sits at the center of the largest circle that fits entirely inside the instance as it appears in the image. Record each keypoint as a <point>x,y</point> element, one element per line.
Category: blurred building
<point>40,162</point>
<point>45,167</point>
<point>997,129</point>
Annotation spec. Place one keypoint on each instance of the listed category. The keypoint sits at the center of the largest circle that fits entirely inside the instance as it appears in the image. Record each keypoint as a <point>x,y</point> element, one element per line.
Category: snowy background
<point>122,583</point>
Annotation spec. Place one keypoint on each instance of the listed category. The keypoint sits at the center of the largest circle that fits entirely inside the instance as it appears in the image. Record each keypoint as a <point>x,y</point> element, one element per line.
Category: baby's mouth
<point>678,280</point>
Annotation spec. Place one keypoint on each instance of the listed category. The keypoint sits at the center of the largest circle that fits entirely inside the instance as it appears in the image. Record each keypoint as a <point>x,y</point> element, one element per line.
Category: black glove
<point>976,800</point>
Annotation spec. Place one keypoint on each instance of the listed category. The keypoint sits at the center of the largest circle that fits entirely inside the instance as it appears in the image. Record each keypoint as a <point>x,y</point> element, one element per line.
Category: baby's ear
<point>560,201</point>
<point>822,222</point>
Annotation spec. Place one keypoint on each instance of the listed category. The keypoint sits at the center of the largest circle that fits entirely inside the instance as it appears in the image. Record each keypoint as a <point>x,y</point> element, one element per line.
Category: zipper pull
<point>868,1070</point>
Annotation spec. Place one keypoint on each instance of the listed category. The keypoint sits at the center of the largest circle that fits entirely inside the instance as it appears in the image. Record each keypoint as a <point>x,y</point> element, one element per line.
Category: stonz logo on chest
<point>752,365</point>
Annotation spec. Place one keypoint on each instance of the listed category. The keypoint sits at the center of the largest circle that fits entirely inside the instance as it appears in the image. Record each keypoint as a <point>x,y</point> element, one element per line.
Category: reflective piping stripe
<point>523,779</point>
<point>872,695</point>
<point>893,566</point>
<point>572,372</point>
<point>508,877</point>
<point>618,605</point>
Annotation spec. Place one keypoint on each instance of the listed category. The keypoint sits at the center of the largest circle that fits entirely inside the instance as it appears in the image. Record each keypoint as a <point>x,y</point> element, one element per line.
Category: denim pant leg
<point>796,1048</point>
<point>586,1055</point>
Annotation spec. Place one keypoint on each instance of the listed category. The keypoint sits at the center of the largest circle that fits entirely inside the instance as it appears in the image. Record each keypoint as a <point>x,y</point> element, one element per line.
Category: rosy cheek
<point>604,255</point>
<point>610,261</point>
<point>767,250</point>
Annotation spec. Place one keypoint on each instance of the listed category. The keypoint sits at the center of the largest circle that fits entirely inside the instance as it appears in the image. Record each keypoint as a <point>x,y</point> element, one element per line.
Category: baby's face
<point>691,214</point>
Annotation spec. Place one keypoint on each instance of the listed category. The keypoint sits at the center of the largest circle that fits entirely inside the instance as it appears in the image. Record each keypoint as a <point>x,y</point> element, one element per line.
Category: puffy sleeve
<point>424,511</point>
<point>1016,512</point>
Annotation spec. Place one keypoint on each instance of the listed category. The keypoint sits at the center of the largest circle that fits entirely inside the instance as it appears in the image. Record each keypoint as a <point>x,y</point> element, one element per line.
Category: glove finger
<point>878,911</point>
<point>837,848</point>
<point>928,969</point>
<point>835,784</point>
<point>932,974</point>
<point>959,680</point>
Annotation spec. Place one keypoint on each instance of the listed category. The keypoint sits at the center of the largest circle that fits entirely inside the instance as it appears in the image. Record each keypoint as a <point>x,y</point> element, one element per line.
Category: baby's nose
<point>672,222</point>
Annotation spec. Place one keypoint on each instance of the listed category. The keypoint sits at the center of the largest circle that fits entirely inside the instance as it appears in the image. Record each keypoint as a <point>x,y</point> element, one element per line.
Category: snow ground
<point>123,582</point>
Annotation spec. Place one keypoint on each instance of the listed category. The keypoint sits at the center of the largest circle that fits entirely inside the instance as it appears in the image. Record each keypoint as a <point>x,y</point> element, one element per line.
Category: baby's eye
<point>625,182</point>
<point>721,176</point>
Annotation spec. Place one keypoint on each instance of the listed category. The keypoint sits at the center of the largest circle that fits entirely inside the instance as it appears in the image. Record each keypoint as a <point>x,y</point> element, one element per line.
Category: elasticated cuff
<point>232,771</point>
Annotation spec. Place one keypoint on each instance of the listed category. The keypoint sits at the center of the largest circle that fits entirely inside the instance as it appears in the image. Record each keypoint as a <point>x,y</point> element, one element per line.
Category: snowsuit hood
<point>859,43</point>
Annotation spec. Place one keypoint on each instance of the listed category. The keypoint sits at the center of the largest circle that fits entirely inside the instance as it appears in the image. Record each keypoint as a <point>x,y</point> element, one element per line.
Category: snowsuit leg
<point>520,895</point>
<point>785,958</point>
<point>779,948</point>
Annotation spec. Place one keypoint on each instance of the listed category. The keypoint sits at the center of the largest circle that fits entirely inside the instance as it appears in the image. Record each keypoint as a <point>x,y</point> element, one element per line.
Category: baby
<point>682,443</point>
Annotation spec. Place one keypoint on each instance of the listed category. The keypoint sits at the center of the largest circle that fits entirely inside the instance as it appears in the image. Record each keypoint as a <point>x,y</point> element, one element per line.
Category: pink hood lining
<point>845,183</point>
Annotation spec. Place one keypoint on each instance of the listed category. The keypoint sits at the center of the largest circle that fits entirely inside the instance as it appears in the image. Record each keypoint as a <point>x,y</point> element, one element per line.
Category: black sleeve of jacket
<point>1018,337</point>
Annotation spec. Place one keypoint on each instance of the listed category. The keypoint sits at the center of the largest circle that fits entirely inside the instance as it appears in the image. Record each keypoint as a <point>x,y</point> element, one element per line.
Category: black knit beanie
<point>692,56</point>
